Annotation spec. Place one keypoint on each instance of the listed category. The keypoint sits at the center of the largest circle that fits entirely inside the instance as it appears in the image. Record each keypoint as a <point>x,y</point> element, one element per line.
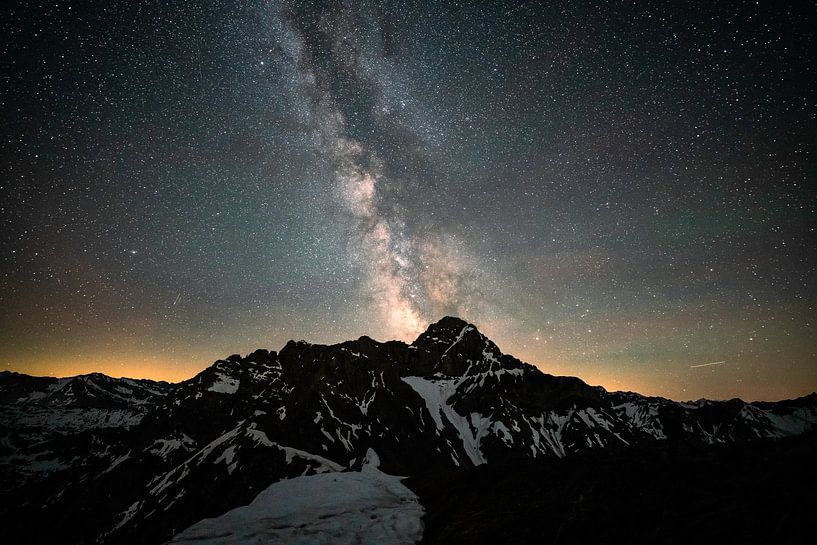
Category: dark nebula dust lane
<point>623,193</point>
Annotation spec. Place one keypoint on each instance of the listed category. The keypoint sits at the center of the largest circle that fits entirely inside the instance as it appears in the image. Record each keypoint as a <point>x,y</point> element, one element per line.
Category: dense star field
<point>621,192</point>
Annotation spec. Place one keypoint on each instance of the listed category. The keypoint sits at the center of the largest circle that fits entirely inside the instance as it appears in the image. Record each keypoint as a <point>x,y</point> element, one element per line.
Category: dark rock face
<point>450,400</point>
<point>653,494</point>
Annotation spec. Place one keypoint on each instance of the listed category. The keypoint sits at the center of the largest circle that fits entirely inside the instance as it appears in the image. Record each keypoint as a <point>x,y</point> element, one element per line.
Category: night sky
<point>624,192</point>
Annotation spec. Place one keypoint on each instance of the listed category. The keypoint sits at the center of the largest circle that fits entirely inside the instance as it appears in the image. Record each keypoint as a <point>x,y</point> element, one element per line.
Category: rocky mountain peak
<point>444,332</point>
<point>454,346</point>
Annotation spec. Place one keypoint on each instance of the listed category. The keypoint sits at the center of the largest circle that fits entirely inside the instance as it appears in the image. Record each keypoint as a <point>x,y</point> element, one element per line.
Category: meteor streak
<point>707,364</point>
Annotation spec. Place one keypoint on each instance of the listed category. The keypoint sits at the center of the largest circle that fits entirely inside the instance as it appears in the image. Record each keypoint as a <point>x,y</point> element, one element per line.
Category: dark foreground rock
<point>759,492</point>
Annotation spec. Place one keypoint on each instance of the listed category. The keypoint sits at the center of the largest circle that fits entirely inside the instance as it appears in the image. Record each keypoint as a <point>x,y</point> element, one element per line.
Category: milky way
<point>410,275</point>
<point>618,192</point>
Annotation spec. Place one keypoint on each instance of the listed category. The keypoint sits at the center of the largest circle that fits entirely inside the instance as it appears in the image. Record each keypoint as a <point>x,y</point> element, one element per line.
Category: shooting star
<point>707,364</point>
<point>178,296</point>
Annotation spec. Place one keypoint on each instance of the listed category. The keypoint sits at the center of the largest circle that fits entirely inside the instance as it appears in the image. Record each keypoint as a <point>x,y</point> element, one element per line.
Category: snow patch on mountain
<point>66,420</point>
<point>224,384</point>
<point>436,394</point>
<point>163,447</point>
<point>797,422</point>
<point>643,417</point>
<point>323,464</point>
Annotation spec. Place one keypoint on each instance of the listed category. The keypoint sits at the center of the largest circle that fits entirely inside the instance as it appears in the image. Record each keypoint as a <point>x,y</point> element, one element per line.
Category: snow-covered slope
<point>366,507</point>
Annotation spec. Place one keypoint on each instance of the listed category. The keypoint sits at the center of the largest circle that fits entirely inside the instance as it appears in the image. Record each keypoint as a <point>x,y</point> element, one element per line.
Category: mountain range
<point>123,461</point>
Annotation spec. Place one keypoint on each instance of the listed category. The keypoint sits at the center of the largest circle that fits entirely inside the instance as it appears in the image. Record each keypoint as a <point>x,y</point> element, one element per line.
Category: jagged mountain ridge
<point>449,399</point>
<point>93,390</point>
<point>43,419</point>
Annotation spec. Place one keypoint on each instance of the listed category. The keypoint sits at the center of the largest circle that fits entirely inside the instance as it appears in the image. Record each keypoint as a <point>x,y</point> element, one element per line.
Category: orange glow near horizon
<point>139,368</point>
<point>134,366</point>
<point>126,367</point>
<point>669,374</point>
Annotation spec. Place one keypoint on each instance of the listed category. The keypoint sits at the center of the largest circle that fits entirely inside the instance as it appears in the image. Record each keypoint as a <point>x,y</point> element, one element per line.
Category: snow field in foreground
<point>366,507</point>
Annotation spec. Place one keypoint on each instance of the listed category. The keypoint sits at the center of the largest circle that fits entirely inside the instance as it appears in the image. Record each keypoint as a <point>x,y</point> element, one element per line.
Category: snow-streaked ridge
<point>436,394</point>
